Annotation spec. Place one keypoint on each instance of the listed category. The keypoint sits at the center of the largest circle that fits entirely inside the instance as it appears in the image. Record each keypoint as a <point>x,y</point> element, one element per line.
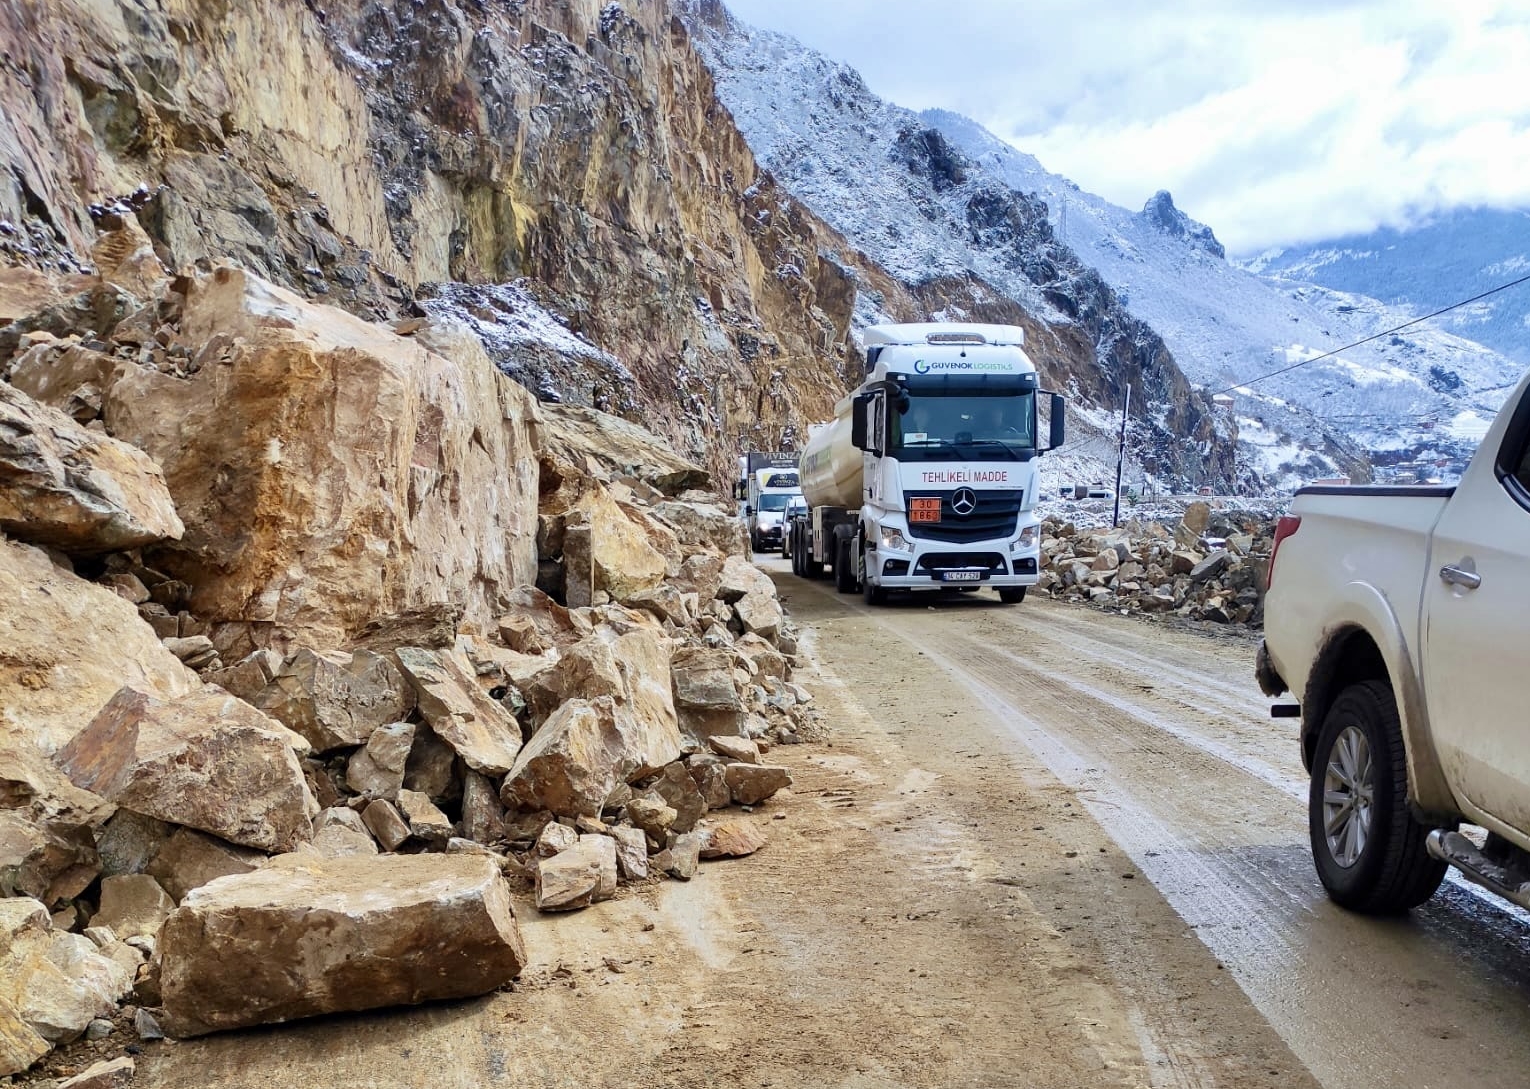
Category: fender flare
<point>1363,611</point>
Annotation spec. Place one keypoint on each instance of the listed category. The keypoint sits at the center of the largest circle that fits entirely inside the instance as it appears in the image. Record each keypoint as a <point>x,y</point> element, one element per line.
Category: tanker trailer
<point>926,478</point>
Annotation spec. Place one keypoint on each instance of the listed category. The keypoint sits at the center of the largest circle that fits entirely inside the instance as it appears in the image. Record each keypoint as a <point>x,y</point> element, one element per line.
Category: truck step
<point>1456,850</point>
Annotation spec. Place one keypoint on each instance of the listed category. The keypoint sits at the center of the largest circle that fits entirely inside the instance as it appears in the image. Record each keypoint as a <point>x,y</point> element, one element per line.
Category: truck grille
<point>997,516</point>
<point>932,563</point>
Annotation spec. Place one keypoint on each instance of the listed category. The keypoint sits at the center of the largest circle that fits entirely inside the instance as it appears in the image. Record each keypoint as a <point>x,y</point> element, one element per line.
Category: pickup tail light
<point>1284,528</point>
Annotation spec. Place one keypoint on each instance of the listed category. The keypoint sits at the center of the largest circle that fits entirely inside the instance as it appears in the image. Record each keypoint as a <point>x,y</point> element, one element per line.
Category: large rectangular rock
<point>206,760</point>
<point>308,935</point>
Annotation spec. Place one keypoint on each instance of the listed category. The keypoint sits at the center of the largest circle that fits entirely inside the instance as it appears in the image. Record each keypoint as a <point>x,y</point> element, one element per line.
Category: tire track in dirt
<point>1185,779</point>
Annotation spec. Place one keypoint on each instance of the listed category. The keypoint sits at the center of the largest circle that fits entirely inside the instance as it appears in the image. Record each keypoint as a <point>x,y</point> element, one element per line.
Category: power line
<point>1377,336</point>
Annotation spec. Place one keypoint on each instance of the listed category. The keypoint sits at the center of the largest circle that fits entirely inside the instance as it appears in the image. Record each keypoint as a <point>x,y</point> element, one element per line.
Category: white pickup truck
<point>1400,619</point>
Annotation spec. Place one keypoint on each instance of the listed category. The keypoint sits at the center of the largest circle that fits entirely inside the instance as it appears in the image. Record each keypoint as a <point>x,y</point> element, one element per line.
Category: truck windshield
<point>939,427</point>
<point>774,500</point>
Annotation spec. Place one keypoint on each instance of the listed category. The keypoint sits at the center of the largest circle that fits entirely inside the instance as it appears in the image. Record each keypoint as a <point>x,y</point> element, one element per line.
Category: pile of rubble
<point>1211,566</point>
<point>294,754</point>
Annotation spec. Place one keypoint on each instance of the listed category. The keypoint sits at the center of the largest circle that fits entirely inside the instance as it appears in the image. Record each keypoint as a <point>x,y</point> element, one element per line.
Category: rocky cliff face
<point>558,174</point>
<point>1161,214</point>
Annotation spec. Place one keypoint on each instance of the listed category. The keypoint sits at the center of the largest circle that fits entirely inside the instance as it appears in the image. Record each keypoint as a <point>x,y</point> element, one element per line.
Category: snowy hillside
<point>1424,394</point>
<point>1448,259</point>
<point>906,196</point>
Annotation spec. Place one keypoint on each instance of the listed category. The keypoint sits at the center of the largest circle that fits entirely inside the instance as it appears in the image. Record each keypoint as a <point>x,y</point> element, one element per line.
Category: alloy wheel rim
<point>1348,796</point>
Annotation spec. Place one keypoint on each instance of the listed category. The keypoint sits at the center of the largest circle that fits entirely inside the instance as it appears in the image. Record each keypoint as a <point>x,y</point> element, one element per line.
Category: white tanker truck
<point>926,478</point>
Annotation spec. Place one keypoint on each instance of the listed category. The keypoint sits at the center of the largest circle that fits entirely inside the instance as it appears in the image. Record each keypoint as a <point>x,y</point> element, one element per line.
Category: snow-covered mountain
<point>913,192</point>
<point>1452,257</point>
<point>1423,395</point>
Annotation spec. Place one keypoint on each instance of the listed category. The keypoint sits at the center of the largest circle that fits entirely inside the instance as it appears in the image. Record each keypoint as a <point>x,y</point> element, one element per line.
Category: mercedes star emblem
<point>964,502</point>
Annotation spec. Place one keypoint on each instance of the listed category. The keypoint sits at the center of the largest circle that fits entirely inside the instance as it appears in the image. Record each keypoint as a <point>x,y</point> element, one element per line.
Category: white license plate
<point>962,576</point>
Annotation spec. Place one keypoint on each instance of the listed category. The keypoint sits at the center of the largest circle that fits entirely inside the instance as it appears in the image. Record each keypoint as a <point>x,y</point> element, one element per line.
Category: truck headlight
<point>1027,539</point>
<point>892,540</point>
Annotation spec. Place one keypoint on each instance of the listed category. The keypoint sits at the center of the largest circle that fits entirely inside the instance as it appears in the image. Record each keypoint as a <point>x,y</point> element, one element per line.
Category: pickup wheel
<point>1368,849</point>
<point>1012,595</point>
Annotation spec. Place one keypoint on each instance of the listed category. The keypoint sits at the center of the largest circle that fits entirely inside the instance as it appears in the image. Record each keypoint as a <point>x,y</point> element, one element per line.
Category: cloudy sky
<point>1275,122</point>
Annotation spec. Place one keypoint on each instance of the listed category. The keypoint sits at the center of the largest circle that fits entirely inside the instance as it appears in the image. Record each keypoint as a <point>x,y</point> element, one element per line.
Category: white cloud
<point>1274,123</point>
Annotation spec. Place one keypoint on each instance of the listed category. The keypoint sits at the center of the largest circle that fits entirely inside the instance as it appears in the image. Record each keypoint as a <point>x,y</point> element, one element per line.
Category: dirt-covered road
<point>1043,847</point>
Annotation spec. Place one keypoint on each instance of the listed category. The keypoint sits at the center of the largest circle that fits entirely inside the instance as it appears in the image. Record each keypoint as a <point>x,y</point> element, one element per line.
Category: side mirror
<point>1059,421</point>
<point>859,422</point>
<point>749,512</point>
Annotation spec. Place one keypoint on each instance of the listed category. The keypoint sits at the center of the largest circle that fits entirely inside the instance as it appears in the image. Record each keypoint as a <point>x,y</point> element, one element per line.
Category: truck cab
<point>927,477</point>
<point>769,484</point>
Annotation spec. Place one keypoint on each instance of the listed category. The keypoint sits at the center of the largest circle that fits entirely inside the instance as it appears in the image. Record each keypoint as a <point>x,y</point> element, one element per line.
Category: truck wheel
<point>1368,849</point>
<point>812,568</point>
<point>795,553</point>
<point>1012,595</point>
<point>874,595</point>
<point>844,572</point>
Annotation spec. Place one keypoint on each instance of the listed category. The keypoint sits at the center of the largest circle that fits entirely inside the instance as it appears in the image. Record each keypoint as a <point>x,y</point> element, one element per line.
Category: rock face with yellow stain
<point>541,165</point>
<point>330,471</point>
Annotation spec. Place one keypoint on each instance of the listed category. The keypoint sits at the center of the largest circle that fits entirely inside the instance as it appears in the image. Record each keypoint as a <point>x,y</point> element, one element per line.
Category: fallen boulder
<point>378,767</point>
<point>206,760</point>
<point>579,876</point>
<point>752,783</point>
<point>133,905</point>
<point>732,839</point>
<point>190,859</point>
<point>336,702</point>
<point>76,490</point>
<point>309,935</point>
<point>107,1074</point>
<point>69,646</point>
<point>569,766</point>
<point>739,578</point>
<point>478,729</point>
<point>393,438</point>
<point>52,984</point>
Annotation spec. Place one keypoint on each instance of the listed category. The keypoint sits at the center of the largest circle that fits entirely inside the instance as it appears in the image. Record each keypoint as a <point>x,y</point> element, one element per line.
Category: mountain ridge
<point>872,170</point>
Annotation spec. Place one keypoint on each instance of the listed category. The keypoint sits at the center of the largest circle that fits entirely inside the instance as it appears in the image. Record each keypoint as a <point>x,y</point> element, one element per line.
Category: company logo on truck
<point>967,366</point>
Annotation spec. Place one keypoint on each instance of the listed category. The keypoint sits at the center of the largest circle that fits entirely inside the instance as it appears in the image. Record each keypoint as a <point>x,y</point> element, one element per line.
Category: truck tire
<point>812,568</point>
<point>1368,849</point>
<point>1012,595</point>
<point>844,569</point>
<point>874,595</point>
<point>795,553</point>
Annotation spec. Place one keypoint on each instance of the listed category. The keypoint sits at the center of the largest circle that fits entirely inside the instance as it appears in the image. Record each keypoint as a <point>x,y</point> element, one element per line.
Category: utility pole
<point>1121,455</point>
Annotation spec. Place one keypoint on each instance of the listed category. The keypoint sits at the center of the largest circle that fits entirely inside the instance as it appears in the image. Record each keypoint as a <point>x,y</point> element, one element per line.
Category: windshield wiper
<point>1017,449</point>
